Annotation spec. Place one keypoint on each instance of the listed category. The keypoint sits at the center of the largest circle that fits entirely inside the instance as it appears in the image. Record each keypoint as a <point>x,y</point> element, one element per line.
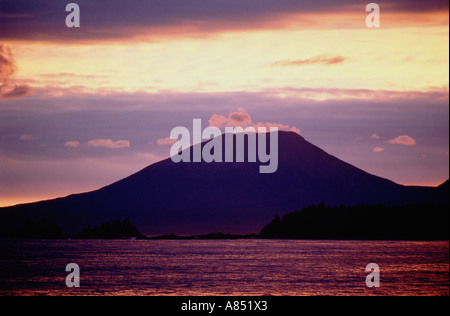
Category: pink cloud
<point>239,119</point>
<point>244,120</point>
<point>437,93</point>
<point>10,91</point>
<point>166,141</point>
<point>235,119</point>
<point>8,88</point>
<point>219,121</point>
<point>404,140</point>
<point>281,127</point>
<point>26,137</point>
<point>321,59</point>
<point>378,149</point>
<point>72,144</point>
<point>108,143</point>
<point>375,136</point>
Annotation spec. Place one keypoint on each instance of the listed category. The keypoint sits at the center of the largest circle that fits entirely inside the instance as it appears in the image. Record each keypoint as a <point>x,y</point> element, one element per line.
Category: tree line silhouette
<point>116,229</point>
<point>371,222</point>
<point>407,222</point>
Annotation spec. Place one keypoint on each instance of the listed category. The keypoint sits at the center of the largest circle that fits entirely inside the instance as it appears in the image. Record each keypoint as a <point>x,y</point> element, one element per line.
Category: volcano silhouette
<point>197,198</point>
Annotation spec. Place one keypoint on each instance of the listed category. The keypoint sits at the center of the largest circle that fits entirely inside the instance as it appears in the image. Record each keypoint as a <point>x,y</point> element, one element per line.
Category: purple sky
<point>82,108</point>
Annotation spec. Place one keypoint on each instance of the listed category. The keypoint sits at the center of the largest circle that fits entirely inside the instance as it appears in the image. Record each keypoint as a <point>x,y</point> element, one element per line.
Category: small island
<point>116,229</point>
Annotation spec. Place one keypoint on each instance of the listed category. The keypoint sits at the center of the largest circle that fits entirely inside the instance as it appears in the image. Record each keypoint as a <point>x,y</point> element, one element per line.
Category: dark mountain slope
<point>197,198</point>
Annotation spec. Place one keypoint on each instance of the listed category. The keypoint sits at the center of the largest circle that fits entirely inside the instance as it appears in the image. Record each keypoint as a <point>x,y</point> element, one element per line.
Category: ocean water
<point>223,267</point>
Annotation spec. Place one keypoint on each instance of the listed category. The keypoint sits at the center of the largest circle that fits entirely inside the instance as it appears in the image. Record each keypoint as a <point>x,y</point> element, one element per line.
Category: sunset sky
<point>83,107</point>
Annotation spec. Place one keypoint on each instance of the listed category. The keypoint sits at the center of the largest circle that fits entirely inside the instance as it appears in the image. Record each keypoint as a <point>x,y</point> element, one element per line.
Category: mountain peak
<point>197,198</point>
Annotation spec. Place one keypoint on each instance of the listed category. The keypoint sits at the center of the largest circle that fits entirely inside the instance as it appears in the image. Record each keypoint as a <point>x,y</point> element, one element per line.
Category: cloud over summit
<point>244,120</point>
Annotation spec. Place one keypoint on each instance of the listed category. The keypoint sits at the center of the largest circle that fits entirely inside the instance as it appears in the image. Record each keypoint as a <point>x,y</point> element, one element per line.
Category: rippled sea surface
<point>217,267</point>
